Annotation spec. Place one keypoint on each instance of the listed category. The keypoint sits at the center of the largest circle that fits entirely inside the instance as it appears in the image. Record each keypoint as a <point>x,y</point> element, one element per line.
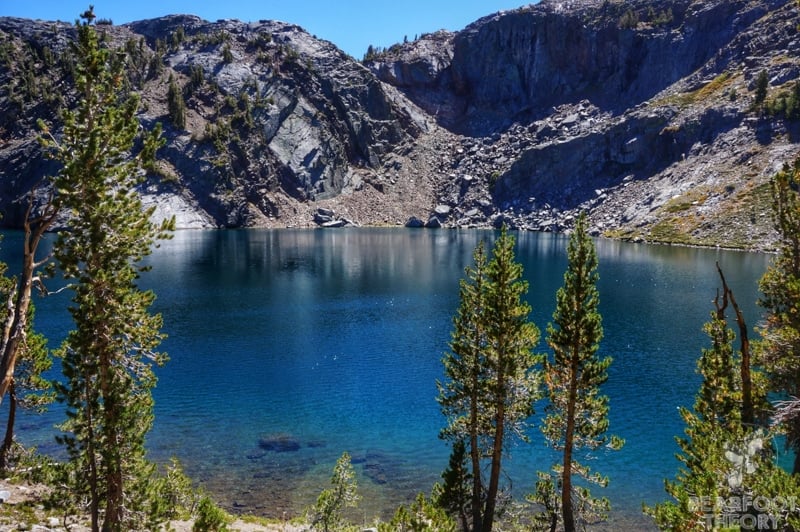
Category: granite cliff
<point>645,114</point>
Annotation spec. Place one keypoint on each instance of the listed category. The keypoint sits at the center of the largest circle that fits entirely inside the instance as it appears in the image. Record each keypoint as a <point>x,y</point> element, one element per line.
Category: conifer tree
<point>577,416</point>
<point>176,104</point>
<point>453,495</point>
<point>461,396</point>
<point>778,353</point>
<point>762,85</point>
<point>492,381</point>
<point>107,359</point>
<point>724,455</point>
<point>343,493</point>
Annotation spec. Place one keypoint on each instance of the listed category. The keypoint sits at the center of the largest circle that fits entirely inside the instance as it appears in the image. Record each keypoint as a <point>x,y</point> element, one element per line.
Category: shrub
<point>210,517</point>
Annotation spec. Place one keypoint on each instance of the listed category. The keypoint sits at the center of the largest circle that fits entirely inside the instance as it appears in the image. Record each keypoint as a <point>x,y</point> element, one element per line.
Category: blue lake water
<point>334,339</point>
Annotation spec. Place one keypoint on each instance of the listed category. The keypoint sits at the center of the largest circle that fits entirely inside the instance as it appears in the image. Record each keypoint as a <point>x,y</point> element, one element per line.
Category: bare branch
<point>785,411</point>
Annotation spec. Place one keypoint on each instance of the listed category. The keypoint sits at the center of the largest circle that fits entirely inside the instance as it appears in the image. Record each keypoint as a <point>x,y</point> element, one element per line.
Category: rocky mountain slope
<point>645,114</point>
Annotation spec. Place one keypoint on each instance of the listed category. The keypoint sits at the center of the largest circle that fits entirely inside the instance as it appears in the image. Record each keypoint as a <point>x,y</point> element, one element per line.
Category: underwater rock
<point>279,443</point>
<point>256,454</point>
<point>375,472</point>
<point>379,467</point>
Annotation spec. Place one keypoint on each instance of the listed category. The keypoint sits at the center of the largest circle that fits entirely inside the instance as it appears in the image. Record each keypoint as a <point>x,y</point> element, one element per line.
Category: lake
<point>327,341</point>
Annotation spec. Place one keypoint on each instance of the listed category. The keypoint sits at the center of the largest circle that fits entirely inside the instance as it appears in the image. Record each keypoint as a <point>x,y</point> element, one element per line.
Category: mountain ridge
<point>641,113</point>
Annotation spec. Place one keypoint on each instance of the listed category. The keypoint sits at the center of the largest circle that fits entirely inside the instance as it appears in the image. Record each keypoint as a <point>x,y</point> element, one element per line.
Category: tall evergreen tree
<point>762,85</point>
<point>461,396</point>
<point>778,353</point>
<point>492,380</point>
<point>454,494</point>
<point>724,455</point>
<point>577,416</point>
<point>176,105</point>
<point>107,359</point>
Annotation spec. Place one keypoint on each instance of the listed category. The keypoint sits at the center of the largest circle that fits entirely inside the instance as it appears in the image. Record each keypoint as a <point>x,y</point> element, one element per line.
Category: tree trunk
<point>796,465</point>
<point>497,452</point>
<point>19,323</point>
<point>748,409</point>
<point>112,466</point>
<point>8,441</point>
<point>477,488</point>
<point>91,453</point>
<point>475,456</point>
<point>569,437</point>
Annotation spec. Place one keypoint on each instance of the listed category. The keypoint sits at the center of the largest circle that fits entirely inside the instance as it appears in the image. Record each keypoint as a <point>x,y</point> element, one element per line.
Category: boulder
<point>433,223</point>
<point>334,224</point>
<point>442,210</point>
<point>415,222</point>
<point>279,443</point>
<point>322,218</point>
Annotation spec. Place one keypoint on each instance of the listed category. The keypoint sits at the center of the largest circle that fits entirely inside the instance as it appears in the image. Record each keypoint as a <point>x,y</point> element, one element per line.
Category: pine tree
<point>107,359</point>
<point>779,351</point>
<point>724,455</point>
<point>461,396</point>
<point>491,378</point>
<point>454,494</point>
<point>176,104</point>
<point>762,84</point>
<point>343,493</point>
<point>577,416</point>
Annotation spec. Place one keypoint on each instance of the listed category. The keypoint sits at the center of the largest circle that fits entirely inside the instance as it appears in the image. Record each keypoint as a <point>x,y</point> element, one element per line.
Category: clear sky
<point>350,24</point>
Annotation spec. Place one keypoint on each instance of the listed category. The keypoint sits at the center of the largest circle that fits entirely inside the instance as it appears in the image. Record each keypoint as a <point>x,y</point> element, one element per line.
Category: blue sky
<point>351,25</point>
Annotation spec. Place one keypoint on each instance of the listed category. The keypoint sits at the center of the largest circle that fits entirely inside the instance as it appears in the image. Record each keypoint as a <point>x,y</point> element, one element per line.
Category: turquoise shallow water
<point>332,340</point>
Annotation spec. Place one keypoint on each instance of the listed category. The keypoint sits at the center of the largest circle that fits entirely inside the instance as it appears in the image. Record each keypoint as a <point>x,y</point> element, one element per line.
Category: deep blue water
<point>334,339</point>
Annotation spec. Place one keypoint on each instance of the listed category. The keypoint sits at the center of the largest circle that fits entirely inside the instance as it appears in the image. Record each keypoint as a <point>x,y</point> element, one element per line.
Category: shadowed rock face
<point>632,111</point>
<point>533,58</point>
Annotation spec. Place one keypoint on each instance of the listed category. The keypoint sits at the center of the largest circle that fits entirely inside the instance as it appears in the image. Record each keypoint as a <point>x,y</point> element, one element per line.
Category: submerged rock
<point>279,443</point>
<point>256,454</point>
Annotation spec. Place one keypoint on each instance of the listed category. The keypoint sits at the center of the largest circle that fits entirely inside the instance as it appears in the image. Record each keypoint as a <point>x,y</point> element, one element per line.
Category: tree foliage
<point>577,416</point>
<point>343,493</point>
<point>491,378</point>
<point>176,104</point>
<point>761,87</point>
<point>28,356</point>
<point>29,388</point>
<point>779,351</point>
<point>725,454</point>
<point>454,494</point>
<point>107,359</point>
<point>422,515</point>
